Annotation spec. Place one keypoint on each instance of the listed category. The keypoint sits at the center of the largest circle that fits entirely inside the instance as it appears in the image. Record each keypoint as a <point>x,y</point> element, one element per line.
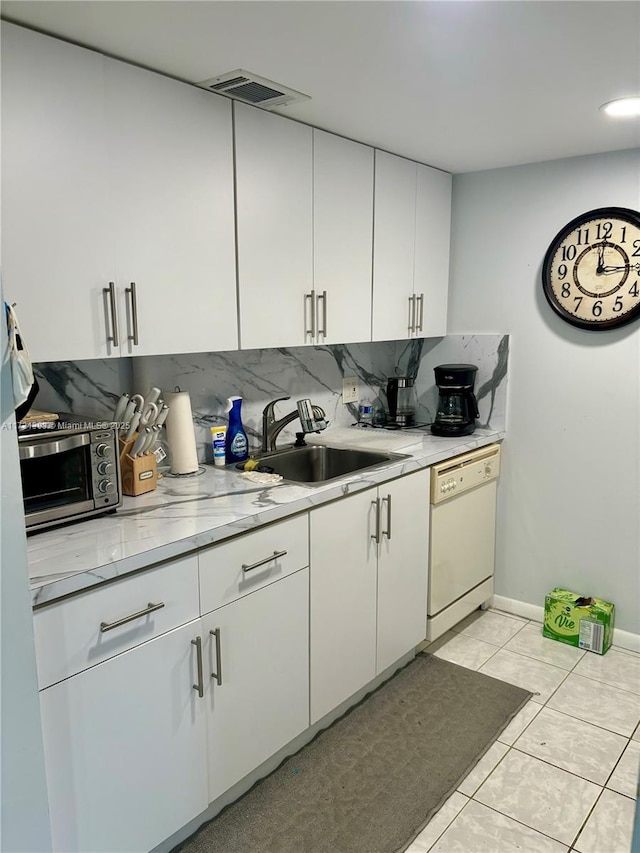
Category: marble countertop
<point>187,513</point>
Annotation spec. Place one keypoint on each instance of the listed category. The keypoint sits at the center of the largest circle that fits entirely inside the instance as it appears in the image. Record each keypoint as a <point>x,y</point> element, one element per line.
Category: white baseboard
<point>621,639</point>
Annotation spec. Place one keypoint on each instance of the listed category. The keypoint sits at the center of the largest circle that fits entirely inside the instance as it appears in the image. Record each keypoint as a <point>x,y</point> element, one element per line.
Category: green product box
<point>578,620</point>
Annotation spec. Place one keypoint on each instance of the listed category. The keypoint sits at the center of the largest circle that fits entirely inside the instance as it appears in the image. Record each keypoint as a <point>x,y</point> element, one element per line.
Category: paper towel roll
<point>181,436</point>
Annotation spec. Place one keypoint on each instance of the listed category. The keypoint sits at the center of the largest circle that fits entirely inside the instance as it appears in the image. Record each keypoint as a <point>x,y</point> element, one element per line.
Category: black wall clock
<point>591,271</point>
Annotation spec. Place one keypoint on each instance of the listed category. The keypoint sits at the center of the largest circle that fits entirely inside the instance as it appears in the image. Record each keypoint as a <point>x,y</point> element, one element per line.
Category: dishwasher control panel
<point>458,475</point>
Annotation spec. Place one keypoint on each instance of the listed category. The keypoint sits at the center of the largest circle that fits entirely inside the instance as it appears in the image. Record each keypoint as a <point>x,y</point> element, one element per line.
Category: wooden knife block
<point>138,474</point>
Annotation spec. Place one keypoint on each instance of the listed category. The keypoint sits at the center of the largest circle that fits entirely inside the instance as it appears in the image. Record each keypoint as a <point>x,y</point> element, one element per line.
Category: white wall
<point>24,813</point>
<point>569,504</point>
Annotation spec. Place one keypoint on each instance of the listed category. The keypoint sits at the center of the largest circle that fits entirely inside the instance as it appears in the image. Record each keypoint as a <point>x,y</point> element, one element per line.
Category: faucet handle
<point>269,409</point>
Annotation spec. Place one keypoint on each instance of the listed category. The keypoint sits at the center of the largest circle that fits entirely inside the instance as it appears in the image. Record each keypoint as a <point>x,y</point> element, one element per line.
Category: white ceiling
<point>462,85</point>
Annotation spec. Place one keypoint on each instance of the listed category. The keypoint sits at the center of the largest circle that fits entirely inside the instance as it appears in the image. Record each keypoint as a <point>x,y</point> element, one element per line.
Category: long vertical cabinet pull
<point>387,532</point>
<point>200,685</point>
<point>412,315</point>
<point>376,535</point>
<point>312,331</point>
<point>111,290</point>
<point>323,296</point>
<point>420,312</point>
<point>217,675</point>
<point>134,312</point>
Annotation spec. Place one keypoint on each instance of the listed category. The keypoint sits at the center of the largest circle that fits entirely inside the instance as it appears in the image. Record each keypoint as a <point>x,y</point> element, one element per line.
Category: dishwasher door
<point>462,547</point>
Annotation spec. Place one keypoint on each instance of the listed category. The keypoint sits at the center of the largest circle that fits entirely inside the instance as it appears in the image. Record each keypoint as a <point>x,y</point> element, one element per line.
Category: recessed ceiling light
<point>622,107</point>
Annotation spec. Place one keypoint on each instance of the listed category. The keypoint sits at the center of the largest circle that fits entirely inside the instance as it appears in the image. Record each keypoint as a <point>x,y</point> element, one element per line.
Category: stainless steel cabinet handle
<point>312,297</point>
<point>421,312</point>
<point>134,312</point>
<point>376,535</point>
<point>274,556</point>
<point>217,675</point>
<point>387,532</point>
<point>109,626</point>
<point>323,330</point>
<point>412,314</point>
<point>111,290</point>
<point>200,685</point>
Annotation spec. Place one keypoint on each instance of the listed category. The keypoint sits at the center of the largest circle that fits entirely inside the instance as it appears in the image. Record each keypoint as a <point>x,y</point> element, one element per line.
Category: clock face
<point>591,272</point>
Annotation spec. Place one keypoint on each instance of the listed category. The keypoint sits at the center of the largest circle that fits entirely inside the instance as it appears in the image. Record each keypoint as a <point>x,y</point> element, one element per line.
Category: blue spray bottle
<point>237,446</point>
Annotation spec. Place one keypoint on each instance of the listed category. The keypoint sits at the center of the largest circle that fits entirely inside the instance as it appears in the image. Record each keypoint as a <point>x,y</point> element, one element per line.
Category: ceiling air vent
<point>245,86</point>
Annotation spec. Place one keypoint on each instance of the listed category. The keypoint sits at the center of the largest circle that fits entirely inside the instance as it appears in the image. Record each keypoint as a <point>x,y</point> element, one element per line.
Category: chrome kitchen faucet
<point>312,419</point>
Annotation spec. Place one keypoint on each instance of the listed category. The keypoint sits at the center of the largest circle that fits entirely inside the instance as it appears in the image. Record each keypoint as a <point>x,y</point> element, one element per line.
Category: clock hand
<point>609,270</point>
<point>600,267</point>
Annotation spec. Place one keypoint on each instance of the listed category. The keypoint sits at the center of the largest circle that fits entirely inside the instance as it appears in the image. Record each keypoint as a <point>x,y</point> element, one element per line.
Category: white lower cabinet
<point>124,748</point>
<point>369,562</point>
<point>257,677</point>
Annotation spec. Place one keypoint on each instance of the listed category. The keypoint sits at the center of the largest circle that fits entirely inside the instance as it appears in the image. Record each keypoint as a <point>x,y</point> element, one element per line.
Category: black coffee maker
<point>457,405</point>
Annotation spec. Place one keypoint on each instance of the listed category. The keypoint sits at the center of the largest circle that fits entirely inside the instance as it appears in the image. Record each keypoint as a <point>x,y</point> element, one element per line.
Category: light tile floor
<point>563,775</point>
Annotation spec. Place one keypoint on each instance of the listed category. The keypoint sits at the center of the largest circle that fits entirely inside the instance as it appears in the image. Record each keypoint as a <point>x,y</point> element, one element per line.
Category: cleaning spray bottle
<point>237,446</point>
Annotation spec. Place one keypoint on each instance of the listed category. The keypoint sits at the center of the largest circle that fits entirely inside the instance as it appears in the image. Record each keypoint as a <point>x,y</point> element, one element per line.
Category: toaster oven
<point>69,470</point>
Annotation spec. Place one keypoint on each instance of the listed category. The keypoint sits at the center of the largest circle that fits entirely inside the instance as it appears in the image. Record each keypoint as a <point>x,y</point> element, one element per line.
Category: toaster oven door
<point>57,479</point>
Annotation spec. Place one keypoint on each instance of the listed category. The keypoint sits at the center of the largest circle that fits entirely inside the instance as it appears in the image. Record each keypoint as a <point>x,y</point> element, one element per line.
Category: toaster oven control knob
<point>105,467</point>
<point>106,487</point>
<point>103,450</point>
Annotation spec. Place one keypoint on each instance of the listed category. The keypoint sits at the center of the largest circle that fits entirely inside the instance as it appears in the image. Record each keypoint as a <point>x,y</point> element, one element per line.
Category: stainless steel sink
<point>317,464</point>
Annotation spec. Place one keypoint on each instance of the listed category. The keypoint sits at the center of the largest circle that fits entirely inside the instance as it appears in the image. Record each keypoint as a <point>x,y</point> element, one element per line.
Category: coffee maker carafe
<point>402,400</point>
<point>457,405</point>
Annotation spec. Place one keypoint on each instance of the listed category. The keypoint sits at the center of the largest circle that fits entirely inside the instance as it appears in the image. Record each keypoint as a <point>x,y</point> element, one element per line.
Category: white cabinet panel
<point>403,561</point>
<point>124,748</point>
<point>274,223</point>
<point>57,246</point>
<point>343,600</point>
<point>170,150</point>
<point>113,175</point>
<point>262,702</point>
<point>433,237</point>
<point>393,246</point>
<point>342,237</point>
<point>368,598</point>
<point>411,249</point>
<point>268,554</point>
<point>68,633</point>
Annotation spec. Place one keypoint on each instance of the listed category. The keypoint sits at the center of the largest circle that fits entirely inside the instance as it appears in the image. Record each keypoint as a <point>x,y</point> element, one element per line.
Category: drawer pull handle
<point>109,626</point>
<point>274,556</point>
<point>217,675</point>
<point>200,685</point>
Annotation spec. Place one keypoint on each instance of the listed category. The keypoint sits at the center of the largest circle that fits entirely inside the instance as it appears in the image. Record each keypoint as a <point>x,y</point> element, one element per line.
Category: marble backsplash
<point>91,388</point>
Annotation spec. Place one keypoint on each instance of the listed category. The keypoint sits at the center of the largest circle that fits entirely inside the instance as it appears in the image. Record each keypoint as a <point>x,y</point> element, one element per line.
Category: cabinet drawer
<point>232,569</point>
<point>79,632</point>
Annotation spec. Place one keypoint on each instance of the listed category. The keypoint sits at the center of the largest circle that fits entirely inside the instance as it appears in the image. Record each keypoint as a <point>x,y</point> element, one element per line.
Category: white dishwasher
<point>463,536</point>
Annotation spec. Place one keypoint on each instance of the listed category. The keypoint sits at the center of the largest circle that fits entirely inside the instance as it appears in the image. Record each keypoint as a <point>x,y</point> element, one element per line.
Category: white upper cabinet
<point>171,162</point>
<point>411,249</point>
<point>342,238</point>
<point>432,244</point>
<point>274,183</point>
<point>57,246</point>
<point>114,175</point>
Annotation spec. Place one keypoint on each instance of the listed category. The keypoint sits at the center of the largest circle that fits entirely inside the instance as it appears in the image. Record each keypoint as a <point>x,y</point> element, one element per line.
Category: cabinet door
<point>342,237</point>
<point>57,251</point>
<point>171,161</point>
<point>402,567</point>
<point>433,235</point>
<point>393,246</point>
<point>124,746</point>
<point>343,600</point>
<point>274,216</point>
<point>262,660</point>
